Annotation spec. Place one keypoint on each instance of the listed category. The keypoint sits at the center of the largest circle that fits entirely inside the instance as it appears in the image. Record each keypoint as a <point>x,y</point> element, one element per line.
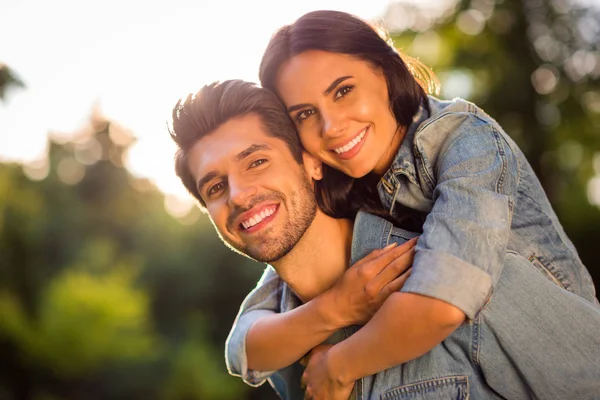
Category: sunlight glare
<point>133,67</point>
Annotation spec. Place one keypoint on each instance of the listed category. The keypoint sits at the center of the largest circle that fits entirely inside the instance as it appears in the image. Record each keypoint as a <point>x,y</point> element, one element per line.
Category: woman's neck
<point>386,160</point>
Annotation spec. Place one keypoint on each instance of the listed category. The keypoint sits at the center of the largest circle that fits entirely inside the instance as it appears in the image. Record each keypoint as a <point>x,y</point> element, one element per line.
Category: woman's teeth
<point>256,218</point>
<point>354,142</point>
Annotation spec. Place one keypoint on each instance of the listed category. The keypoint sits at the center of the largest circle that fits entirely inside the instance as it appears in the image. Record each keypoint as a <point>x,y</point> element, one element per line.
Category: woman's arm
<point>277,340</point>
<point>472,174</point>
<point>405,327</point>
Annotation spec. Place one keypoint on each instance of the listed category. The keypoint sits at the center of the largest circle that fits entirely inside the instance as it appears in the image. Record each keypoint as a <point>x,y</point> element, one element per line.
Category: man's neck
<point>319,258</point>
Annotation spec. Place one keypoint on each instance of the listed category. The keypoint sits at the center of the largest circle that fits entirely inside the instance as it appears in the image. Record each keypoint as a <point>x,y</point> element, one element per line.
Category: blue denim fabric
<point>482,200</point>
<point>531,340</point>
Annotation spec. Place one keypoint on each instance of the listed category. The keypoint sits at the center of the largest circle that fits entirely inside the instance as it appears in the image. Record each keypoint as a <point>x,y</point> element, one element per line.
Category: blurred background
<point>113,285</point>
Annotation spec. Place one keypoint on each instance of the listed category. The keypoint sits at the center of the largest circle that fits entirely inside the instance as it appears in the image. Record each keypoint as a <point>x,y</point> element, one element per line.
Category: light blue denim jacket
<point>487,217</point>
<point>531,340</point>
<point>482,199</point>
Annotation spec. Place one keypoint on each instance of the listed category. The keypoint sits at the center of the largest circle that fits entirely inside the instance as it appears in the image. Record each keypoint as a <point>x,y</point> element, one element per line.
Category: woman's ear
<point>313,166</point>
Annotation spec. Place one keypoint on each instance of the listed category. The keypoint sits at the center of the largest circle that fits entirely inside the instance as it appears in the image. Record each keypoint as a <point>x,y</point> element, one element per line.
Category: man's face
<point>259,198</point>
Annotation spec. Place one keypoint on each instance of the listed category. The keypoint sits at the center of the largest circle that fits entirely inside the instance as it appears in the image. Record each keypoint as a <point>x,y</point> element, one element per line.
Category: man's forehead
<point>230,140</point>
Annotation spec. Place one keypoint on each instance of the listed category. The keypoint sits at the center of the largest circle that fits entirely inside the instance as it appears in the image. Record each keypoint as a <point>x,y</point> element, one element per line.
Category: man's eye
<point>217,187</point>
<point>258,162</point>
<point>302,115</point>
<point>343,91</point>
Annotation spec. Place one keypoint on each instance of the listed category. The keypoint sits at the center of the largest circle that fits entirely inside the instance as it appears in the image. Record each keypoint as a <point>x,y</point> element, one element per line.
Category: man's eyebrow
<point>205,179</point>
<point>329,89</point>
<point>240,156</point>
<point>252,149</point>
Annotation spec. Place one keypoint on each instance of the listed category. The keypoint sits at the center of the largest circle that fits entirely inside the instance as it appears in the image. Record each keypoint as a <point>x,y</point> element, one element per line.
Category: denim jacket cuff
<point>235,348</point>
<point>450,279</point>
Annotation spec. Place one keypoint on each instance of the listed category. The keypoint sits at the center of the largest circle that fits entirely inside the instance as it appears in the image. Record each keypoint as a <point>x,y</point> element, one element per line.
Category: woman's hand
<point>319,381</point>
<point>363,288</point>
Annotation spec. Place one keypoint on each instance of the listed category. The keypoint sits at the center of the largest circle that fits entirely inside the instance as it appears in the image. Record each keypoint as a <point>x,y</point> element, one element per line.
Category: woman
<point>359,108</point>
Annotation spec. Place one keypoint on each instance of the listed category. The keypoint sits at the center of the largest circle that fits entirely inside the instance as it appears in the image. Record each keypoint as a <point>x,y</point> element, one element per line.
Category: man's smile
<point>257,218</point>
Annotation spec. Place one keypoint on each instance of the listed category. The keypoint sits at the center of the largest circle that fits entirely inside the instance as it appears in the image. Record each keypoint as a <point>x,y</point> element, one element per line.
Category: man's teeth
<point>353,143</point>
<point>256,218</point>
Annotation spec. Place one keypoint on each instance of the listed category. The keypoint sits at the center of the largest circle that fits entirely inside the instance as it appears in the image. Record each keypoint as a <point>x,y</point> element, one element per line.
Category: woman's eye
<point>343,91</point>
<point>215,188</point>
<point>302,115</point>
<point>258,162</point>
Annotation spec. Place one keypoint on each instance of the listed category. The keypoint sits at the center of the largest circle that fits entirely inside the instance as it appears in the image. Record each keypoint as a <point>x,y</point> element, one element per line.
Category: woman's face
<point>341,108</point>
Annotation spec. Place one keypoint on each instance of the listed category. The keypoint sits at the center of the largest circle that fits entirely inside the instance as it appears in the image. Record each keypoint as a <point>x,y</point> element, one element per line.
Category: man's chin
<point>264,252</point>
<point>269,254</point>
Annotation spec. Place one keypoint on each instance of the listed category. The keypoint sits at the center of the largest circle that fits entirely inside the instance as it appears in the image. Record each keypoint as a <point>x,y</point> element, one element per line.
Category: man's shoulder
<point>374,232</point>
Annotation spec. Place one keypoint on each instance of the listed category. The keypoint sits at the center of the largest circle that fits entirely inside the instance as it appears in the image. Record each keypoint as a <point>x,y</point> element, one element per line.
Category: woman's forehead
<point>313,71</point>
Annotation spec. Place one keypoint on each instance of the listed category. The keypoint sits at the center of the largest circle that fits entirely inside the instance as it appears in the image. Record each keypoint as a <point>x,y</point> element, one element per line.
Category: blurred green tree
<point>98,281</point>
<point>84,321</point>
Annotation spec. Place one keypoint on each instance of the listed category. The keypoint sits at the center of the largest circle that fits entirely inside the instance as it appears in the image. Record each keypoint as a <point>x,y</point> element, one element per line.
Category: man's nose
<point>240,193</point>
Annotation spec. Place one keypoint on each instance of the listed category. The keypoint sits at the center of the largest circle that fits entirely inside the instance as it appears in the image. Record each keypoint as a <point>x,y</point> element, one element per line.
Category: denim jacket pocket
<point>446,388</point>
<point>546,268</point>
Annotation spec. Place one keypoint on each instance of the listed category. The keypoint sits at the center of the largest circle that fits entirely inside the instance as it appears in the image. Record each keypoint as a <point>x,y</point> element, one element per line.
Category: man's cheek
<point>218,221</point>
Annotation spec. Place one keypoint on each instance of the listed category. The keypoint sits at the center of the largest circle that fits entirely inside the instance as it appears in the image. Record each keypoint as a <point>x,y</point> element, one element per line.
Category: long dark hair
<point>337,32</point>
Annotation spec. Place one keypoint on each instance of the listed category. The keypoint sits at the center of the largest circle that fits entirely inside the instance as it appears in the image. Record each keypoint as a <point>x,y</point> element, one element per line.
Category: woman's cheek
<point>310,142</point>
<point>363,110</point>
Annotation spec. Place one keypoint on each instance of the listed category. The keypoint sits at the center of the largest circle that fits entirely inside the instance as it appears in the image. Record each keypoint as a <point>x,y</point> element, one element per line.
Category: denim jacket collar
<point>404,161</point>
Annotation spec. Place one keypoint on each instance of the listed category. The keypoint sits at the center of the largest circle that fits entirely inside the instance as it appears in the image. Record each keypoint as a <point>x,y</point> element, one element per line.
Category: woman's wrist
<point>338,368</point>
<point>329,311</point>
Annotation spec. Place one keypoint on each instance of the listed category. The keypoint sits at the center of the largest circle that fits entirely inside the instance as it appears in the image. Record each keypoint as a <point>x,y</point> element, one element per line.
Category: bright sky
<point>135,59</point>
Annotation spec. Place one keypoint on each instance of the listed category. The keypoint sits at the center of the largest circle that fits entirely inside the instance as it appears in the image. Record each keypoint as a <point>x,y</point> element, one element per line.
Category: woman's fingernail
<point>389,246</point>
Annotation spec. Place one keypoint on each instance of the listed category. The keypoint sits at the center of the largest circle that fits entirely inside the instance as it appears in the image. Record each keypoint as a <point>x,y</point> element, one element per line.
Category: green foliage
<point>84,321</point>
<point>97,282</point>
<point>193,373</point>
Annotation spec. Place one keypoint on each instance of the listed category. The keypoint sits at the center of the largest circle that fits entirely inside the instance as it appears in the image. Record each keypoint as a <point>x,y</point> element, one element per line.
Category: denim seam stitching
<point>501,152</point>
<point>386,234</point>
<point>423,167</point>
<point>556,276</point>
<point>428,384</point>
<point>394,197</point>
<point>476,339</point>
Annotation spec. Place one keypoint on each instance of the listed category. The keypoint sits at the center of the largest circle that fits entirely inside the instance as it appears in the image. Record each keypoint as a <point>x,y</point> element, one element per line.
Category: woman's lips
<point>351,149</point>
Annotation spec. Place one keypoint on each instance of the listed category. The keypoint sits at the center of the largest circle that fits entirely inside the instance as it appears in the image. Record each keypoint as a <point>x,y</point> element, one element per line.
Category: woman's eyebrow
<point>334,84</point>
<point>295,107</point>
<point>329,89</point>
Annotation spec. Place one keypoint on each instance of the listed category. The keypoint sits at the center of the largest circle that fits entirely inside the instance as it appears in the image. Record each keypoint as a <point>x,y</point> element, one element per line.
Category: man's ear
<point>313,166</point>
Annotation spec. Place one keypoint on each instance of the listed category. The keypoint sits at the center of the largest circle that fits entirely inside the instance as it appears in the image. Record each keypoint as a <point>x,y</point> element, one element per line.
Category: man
<point>240,157</point>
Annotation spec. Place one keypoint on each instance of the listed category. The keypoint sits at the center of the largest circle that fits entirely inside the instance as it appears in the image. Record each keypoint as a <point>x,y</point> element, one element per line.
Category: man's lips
<point>351,147</point>
<point>257,217</point>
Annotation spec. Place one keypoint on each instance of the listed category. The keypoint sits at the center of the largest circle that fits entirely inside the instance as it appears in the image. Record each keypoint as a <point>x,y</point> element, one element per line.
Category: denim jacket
<point>487,218</point>
<point>532,339</point>
<point>482,199</point>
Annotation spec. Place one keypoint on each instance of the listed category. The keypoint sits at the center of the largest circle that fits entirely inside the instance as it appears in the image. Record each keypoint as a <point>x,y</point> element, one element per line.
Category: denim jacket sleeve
<point>263,300</point>
<point>472,176</point>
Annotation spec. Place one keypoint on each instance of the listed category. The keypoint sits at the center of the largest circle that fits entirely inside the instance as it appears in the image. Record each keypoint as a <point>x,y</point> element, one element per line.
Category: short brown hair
<point>202,113</point>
